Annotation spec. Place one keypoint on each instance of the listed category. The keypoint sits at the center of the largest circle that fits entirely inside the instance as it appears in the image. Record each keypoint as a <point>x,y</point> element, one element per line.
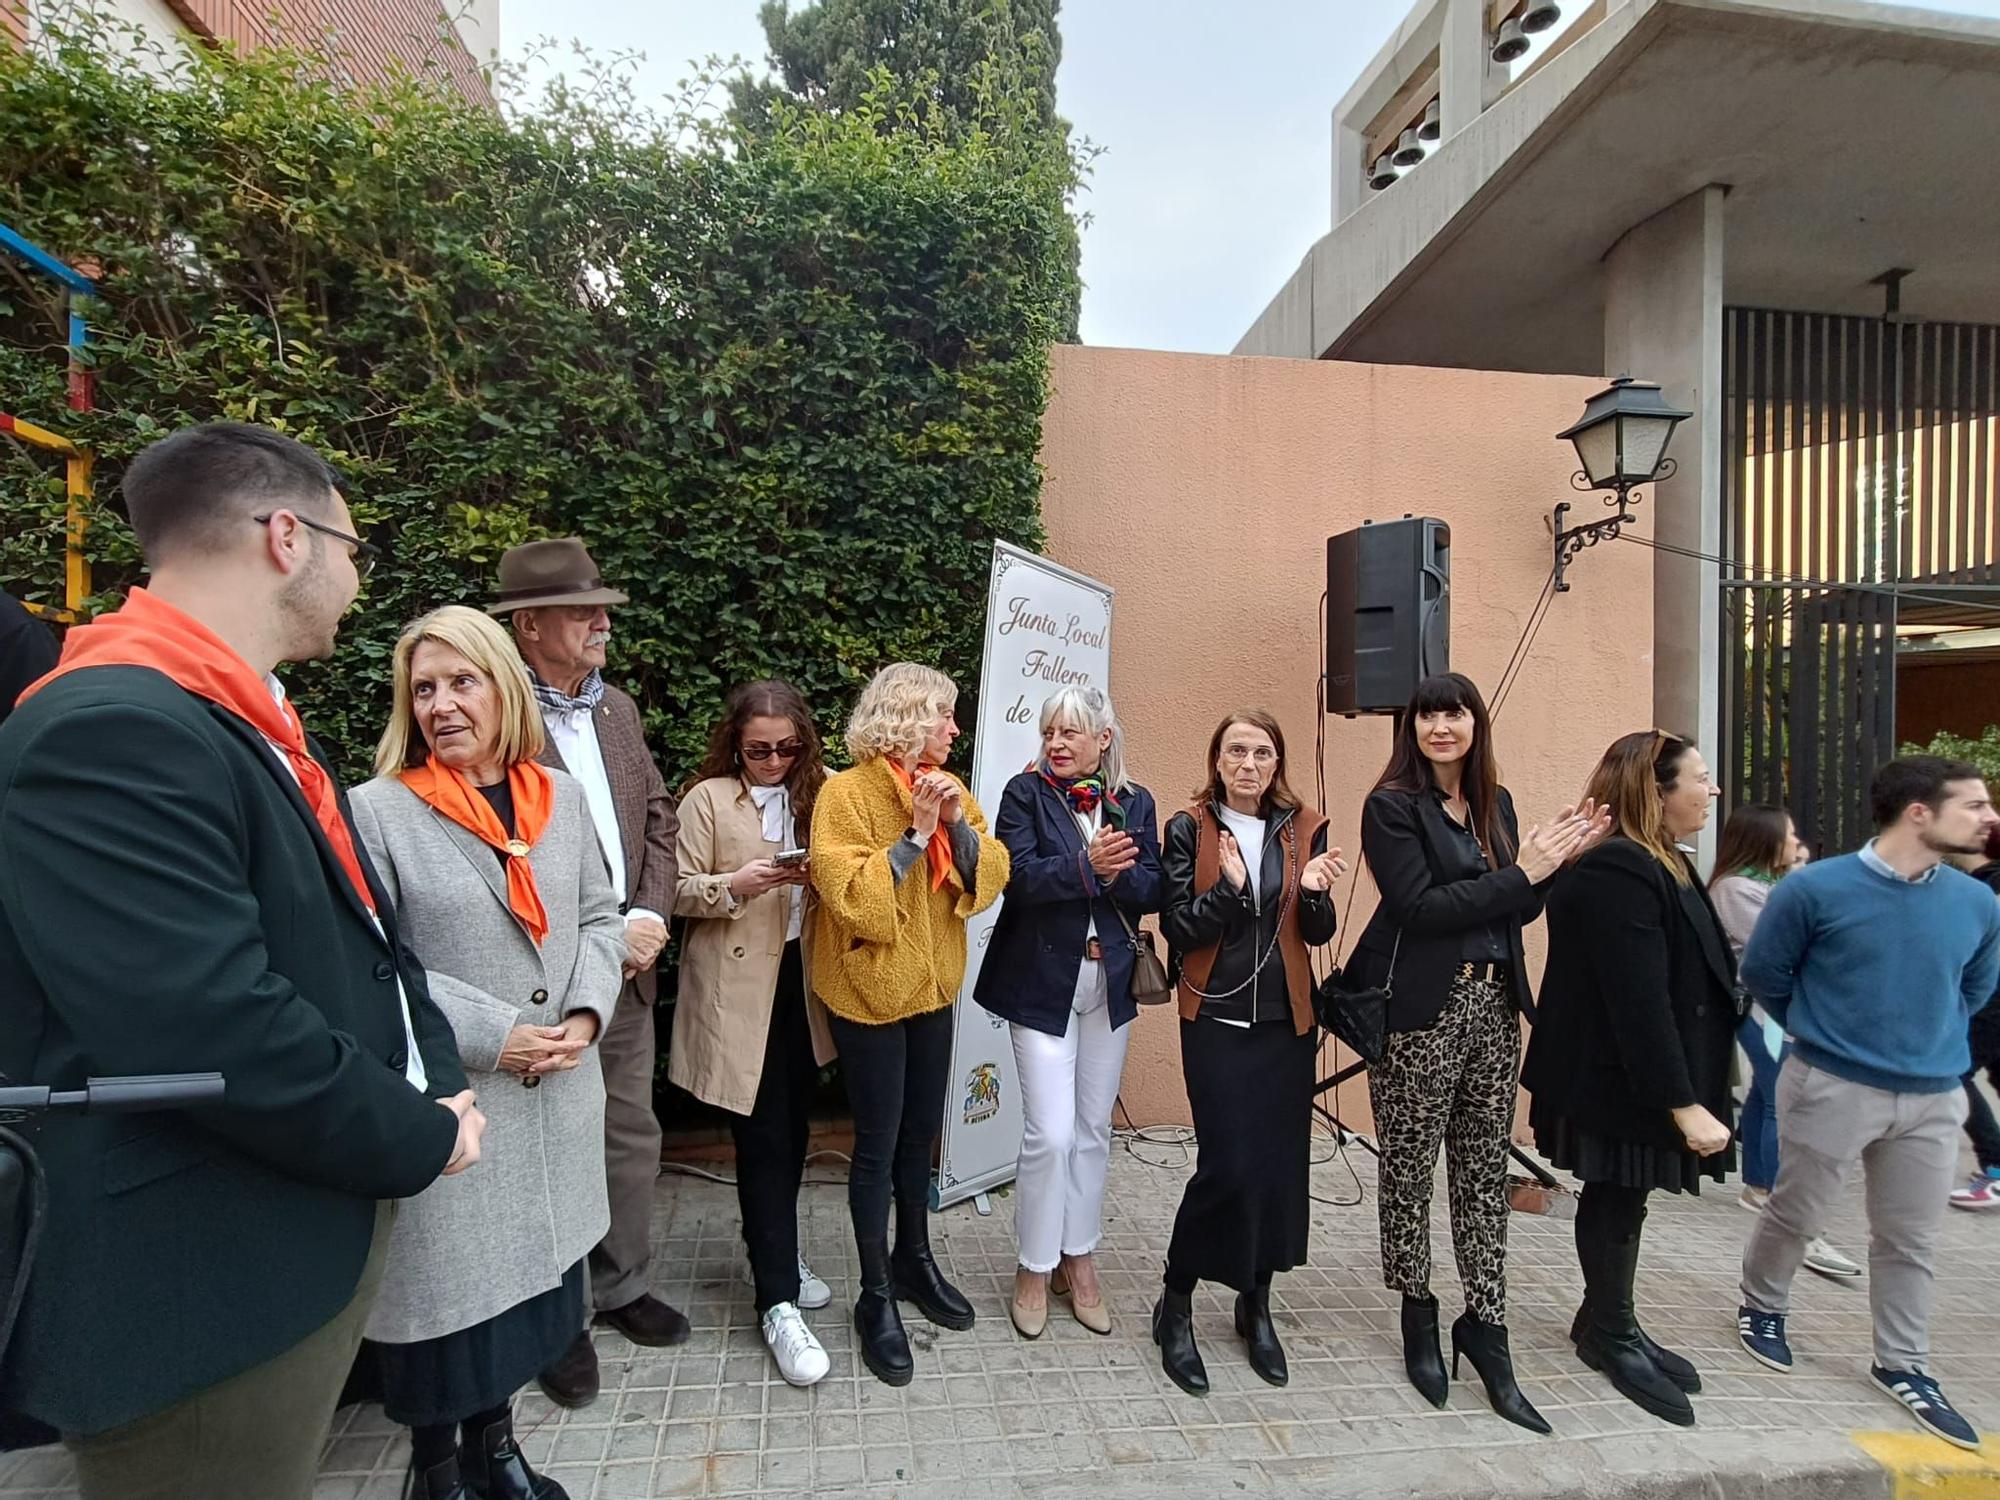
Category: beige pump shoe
<point>1095,1315</point>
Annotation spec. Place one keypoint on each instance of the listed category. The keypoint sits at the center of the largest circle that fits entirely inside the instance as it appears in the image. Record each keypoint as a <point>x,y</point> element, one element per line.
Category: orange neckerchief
<point>533,791</point>
<point>148,632</point>
<point>938,851</point>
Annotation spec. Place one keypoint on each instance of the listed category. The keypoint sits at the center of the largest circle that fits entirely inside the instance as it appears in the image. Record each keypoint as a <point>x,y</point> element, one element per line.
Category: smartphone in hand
<point>790,858</point>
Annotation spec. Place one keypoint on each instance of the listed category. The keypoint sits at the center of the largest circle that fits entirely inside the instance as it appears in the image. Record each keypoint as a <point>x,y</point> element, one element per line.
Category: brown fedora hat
<point>535,574</point>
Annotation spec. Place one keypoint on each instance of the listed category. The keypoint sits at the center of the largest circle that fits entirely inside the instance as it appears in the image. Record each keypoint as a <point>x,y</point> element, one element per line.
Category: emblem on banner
<point>982,1092</point>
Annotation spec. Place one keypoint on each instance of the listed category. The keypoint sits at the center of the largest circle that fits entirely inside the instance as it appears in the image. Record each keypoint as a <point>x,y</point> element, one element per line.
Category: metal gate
<point>1858,495</point>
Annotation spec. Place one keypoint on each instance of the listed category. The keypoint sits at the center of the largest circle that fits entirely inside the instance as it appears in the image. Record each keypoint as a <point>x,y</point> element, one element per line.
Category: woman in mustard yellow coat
<point>900,858</point>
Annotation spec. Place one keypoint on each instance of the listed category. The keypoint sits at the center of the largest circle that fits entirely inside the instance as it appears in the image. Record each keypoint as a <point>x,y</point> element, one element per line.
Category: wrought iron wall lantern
<point>1621,441</point>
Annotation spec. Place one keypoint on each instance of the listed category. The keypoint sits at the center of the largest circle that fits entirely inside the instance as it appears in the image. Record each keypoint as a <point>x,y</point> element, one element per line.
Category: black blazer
<point>1401,834</point>
<point>1638,1003</point>
<point>1028,975</point>
<point>168,904</point>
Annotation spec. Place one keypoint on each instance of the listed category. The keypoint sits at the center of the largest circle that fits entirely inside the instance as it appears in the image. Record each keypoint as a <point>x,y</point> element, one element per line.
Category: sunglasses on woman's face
<point>788,750</point>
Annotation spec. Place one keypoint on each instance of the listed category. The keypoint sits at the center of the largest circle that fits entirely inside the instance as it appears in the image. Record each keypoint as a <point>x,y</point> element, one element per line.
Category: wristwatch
<point>913,836</point>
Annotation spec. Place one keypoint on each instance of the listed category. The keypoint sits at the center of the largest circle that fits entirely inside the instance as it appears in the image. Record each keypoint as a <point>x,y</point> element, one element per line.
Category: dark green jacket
<point>168,905</point>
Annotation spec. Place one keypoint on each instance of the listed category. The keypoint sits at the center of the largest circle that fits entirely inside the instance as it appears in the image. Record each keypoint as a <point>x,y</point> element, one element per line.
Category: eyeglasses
<point>789,750</point>
<point>1237,754</point>
<point>366,554</point>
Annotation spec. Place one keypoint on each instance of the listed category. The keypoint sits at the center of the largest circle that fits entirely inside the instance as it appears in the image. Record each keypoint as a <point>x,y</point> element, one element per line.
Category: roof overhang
<point>1851,138</point>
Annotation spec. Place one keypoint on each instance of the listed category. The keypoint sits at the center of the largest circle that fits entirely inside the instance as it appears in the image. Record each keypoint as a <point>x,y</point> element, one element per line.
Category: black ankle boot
<point>1253,1321</point>
<point>441,1481</point>
<point>1421,1357</point>
<point>494,1469</point>
<point>919,1280</point>
<point>1485,1344</point>
<point>1173,1331</point>
<point>1674,1366</point>
<point>885,1348</point>
<point>1622,1358</point>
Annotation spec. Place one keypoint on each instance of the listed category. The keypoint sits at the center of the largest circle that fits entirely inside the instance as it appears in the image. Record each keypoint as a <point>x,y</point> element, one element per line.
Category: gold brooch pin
<point>516,848</point>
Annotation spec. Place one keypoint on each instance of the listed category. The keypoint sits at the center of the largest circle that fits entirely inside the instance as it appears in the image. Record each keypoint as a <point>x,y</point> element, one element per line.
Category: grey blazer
<point>469,1247</point>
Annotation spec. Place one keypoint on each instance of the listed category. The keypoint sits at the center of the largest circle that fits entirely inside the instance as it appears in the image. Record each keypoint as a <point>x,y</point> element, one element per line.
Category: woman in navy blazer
<point>1086,863</point>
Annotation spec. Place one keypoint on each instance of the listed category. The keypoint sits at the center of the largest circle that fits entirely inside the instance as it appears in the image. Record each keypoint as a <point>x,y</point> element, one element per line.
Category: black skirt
<point>459,1375</point>
<point>1591,1157</point>
<point>1247,1209</point>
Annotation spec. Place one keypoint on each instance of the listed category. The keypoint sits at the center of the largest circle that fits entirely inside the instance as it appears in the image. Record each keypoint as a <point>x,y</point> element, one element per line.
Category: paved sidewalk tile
<point>1075,1414</point>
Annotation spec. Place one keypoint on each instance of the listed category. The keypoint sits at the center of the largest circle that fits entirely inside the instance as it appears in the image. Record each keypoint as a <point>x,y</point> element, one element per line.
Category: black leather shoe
<point>1253,1322</point>
<point>441,1481</point>
<point>918,1279</point>
<point>1623,1361</point>
<point>649,1322</point>
<point>885,1347</point>
<point>572,1380</point>
<point>1422,1359</point>
<point>1674,1366</point>
<point>1173,1331</point>
<point>495,1470</point>
<point>1485,1344</point>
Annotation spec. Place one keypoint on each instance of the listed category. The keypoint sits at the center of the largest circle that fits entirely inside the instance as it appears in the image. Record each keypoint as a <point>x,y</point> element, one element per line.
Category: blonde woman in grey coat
<point>502,893</point>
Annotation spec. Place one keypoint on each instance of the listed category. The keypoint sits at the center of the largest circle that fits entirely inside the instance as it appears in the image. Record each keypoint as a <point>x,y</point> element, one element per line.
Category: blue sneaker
<point>1920,1394</point>
<point>1763,1334</point>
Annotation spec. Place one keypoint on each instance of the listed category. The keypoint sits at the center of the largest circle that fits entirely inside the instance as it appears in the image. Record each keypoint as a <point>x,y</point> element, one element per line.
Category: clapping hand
<point>1549,846</point>
<point>1232,859</point>
<point>1322,870</point>
<point>1112,853</point>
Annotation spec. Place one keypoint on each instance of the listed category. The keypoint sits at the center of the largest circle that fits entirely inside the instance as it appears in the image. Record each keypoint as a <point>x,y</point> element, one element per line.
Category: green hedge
<point>789,387</point>
<point>1983,752</point>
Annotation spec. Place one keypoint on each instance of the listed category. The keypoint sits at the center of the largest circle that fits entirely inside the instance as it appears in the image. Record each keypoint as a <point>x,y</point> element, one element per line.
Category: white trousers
<point>1068,1085</point>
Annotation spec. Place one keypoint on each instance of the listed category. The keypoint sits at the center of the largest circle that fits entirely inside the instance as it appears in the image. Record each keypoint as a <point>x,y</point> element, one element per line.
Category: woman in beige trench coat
<point>748,1037</point>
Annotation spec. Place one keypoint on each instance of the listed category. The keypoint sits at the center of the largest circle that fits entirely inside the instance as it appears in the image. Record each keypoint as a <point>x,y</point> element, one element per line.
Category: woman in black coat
<point>1086,865</point>
<point>1457,883</point>
<point>1248,883</point>
<point>1629,1062</point>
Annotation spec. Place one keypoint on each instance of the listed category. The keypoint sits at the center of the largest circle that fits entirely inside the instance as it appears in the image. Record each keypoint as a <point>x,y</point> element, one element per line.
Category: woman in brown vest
<point>1248,877</point>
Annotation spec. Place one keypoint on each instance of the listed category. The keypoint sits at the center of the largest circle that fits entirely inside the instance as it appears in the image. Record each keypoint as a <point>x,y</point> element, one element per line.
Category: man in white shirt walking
<point>559,606</point>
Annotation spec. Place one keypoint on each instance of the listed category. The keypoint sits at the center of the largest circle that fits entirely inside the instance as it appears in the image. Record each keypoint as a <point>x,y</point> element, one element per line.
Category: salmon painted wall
<point>1203,489</point>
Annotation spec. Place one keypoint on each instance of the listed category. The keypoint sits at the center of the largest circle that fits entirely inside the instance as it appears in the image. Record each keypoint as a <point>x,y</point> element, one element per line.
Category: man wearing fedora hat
<point>560,607</point>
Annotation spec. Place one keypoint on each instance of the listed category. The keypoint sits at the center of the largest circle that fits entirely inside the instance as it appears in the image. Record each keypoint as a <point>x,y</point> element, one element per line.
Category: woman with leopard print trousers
<point>1458,883</point>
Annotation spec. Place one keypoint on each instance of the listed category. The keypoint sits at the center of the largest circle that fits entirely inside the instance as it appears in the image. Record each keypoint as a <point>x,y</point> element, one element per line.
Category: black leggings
<point>1609,1221</point>
<point>896,1084</point>
<point>771,1141</point>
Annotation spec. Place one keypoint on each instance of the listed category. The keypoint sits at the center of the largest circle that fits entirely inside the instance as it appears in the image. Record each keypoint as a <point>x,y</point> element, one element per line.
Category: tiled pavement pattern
<point>1075,1414</point>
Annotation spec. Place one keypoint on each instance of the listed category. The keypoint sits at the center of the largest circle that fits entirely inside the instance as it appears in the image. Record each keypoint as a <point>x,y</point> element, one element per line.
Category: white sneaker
<point>813,1293</point>
<point>800,1358</point>
<point>1753,1198</point>
<point>1823,1258</point>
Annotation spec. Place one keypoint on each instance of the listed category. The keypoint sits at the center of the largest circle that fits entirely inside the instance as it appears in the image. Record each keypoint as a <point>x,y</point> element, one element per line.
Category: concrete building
<point>363,38</point>
<point>1771,207</point>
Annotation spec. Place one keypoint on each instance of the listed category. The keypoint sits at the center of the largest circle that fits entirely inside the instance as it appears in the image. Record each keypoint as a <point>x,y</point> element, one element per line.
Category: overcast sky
<point>1216,119</point>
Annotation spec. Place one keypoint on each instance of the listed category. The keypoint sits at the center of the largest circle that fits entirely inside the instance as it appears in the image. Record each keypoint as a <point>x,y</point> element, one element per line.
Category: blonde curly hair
<point>895,711</point>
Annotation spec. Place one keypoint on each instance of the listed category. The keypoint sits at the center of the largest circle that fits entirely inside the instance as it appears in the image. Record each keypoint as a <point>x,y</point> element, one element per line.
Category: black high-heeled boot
<point>1173,1331</point>
<point>885,1347</point>
<point>1675,1367</point>
<point>1421,1357</point>
<point>495,1469</point>
<point>1253,1322</point>
<point>918,1279</point>
<point>1485,1344</point>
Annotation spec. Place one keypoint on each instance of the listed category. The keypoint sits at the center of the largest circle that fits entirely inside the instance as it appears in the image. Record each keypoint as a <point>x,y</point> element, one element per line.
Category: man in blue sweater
<point>1873,963</point>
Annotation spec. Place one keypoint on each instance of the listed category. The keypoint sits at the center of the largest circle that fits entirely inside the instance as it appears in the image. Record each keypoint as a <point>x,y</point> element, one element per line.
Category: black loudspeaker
<point>1388,613</point>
